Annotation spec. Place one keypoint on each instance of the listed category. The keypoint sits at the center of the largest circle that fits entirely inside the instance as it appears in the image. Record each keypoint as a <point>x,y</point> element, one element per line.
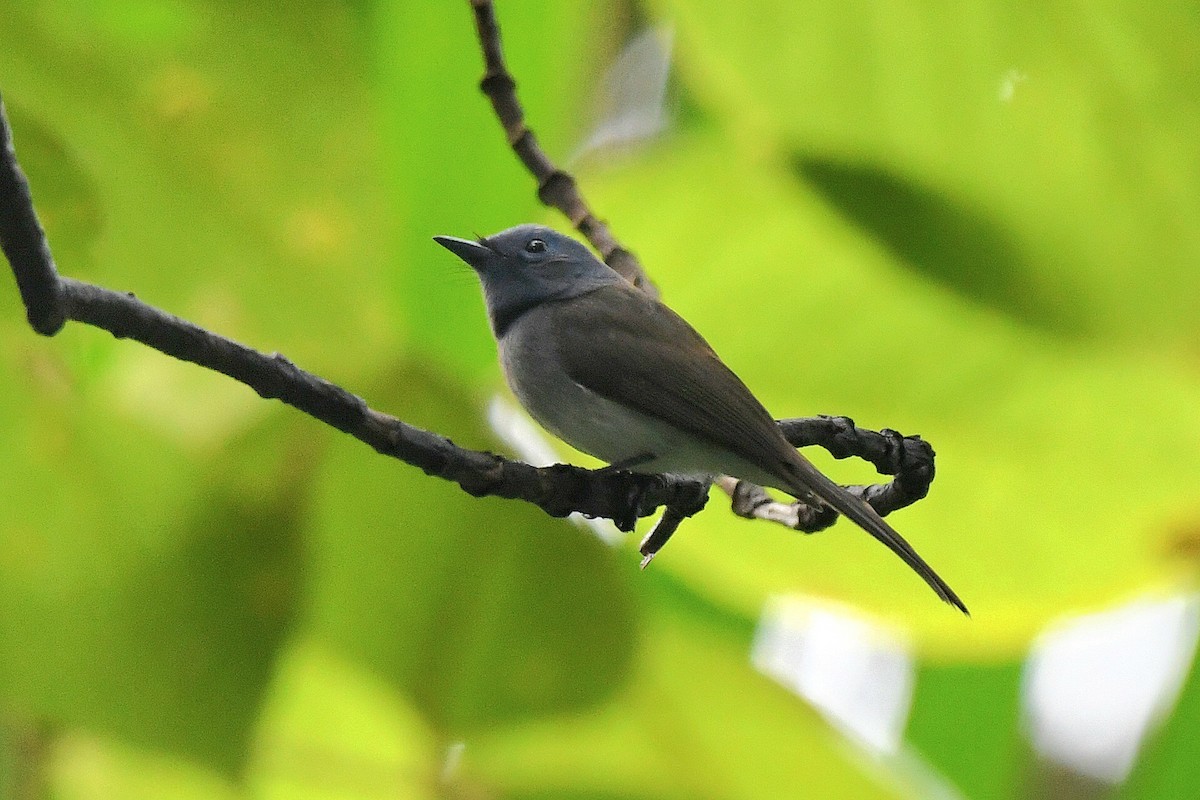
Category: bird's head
<point>530,264</point>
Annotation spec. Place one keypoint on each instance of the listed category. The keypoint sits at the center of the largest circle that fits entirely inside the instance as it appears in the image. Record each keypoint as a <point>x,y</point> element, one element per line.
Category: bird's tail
<point>810,481</point>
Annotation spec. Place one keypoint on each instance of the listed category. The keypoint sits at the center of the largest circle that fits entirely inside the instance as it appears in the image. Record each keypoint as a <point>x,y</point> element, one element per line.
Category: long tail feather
<point>809,479</point>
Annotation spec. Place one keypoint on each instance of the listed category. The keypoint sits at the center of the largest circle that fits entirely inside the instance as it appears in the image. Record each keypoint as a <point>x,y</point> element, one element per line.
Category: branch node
<point>556,184</point>
<point>497,83</point>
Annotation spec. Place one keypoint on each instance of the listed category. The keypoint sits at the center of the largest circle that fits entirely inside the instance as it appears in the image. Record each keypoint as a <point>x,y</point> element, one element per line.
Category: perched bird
<point>620,376</point>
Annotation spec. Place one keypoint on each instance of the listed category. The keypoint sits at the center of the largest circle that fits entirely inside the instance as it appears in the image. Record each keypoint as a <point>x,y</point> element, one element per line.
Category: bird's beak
<point>476,254</point>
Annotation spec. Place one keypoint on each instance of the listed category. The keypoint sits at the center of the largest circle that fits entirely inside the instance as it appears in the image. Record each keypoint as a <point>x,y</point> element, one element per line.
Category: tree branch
<point>556,188</point>
<point>910,459</point>
<point>24,241</point>
<point>51,300</point>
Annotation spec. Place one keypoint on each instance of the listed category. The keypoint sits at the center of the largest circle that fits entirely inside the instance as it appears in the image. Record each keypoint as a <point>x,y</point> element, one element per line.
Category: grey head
<point>528,265</point>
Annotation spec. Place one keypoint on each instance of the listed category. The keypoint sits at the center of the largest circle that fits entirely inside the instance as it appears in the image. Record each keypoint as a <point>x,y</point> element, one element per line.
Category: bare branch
<point>623,497</point>
<point>556,188</point>
<point>909,458</point>
<point>673,514</point>
<point>50,300</point>
<point>752,501</point>
<point>24,241</point>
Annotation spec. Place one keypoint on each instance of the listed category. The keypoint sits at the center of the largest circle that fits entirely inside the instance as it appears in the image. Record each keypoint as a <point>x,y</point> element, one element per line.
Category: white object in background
<point>632,99</point>
<point>452,760</point>
<point>1009,83</point>
<point>519,432</point>
<point>1094,685</point>
<point>857,673</point>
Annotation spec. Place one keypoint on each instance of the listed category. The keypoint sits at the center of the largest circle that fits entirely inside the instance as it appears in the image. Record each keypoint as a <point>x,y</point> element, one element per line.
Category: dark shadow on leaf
<point>944,240</point>
<point>487,612</point>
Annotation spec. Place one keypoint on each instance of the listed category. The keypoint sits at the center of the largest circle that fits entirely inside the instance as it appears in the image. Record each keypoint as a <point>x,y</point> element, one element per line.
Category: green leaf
<point>1065,131</point>
<point>197,154</point>
<point>695,720</point>
<point>944,239</point>
<point>332,729</point>
<point>232,157</point>
<point>1166,768</point>
<point>128,607</point>
<point>1029,431</point>
<point>86,767</point>
<point>486,610</point>
<point>964,721</point>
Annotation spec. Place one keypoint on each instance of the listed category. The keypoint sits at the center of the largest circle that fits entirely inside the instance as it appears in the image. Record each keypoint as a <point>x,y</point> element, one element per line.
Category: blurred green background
<point>972,221</point>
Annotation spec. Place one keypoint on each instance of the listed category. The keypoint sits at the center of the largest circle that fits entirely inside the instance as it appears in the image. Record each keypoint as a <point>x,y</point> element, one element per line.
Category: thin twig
<point>556,188</point>
<point>668,523</point>
<point>909,458</point>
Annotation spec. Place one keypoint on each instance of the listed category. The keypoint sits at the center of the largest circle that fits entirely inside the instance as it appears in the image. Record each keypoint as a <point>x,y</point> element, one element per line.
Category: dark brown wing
<point>664,369</point>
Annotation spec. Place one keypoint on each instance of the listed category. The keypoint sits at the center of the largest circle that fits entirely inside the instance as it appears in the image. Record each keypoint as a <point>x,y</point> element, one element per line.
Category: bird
<point>618,375</point>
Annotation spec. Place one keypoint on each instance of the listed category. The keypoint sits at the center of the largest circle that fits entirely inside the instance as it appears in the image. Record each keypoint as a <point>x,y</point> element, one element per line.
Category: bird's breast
<point>584,419</point>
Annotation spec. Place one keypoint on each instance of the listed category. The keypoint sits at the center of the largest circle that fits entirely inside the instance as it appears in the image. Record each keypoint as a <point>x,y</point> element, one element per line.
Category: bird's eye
<point>535,246</point>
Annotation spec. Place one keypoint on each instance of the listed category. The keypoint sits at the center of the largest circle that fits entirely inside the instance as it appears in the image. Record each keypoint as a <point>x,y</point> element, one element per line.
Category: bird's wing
<point>653,361</point>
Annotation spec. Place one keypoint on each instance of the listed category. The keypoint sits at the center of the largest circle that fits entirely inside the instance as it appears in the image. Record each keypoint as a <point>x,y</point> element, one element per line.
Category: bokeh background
<point>972,221</point>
